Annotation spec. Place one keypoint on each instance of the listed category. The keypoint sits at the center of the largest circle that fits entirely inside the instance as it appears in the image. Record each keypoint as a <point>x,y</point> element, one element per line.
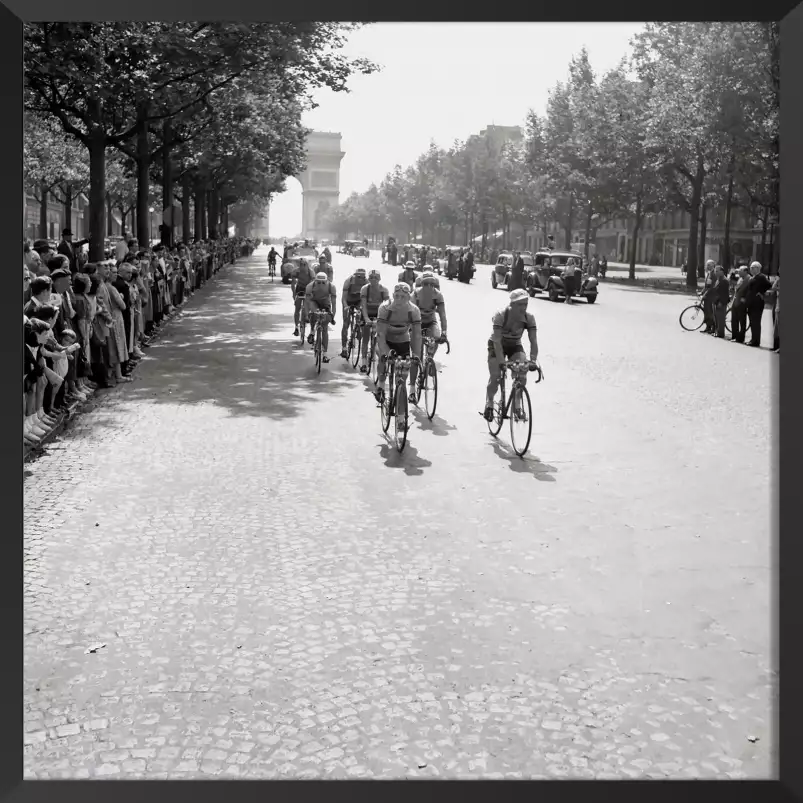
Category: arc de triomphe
<point>320,183</point>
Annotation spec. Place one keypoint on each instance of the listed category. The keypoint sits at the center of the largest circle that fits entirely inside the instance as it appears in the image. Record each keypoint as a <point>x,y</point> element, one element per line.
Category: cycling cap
<point>409,264</point>
<point>321,277</point>
<point>402,287</point>
<point>427,269</point>
<point>518,295</point>
<point>361,271</point>
<point>376,273</point>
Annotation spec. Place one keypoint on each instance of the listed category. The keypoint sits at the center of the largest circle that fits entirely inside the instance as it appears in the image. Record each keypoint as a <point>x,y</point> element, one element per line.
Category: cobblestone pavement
<point>229,572</point>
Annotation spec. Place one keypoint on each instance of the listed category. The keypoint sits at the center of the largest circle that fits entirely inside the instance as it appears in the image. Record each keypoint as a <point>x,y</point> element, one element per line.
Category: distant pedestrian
<point>757,287</point>
<point>720,295</point>
<point>603,265</point>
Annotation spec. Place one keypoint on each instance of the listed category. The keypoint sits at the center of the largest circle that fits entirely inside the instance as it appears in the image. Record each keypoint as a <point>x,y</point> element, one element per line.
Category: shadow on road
<point>408,460</point>
<point>666,291</point>
<point>438,426</point>
<point>233,346</point>
<point>525,465</point>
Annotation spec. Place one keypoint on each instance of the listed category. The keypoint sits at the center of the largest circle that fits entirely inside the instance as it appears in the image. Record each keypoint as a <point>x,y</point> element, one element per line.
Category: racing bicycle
<point>354,343</point>
<point>394,398</point>
<point>272,269</point>
<point>517,407</point>
<point>426,382</point>
<point>302,318</point>
<point>373,357</point>
<point>319,318</point>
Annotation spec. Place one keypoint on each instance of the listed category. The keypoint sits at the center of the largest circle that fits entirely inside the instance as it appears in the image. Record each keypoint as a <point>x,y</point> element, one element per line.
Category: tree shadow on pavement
<point>525,465</point>
<point>408,460</point>
<point>680,292</point>
<point>438,426</point>
<point>235,348</point>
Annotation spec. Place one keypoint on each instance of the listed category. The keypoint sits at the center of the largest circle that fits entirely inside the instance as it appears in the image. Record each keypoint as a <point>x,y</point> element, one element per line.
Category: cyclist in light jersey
<point>371,296</point>
<point>398,323</point>
<point>509,325</point>
<point>408,274</point>
<point>325,267</point>
<point>321,295</point>
<point>350,299</point>
<point>420,280</point>
<point>300,277</point>
<point>429,300</point>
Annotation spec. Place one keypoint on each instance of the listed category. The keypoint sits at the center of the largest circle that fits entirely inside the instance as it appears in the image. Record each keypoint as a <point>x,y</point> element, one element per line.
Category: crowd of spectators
<point>746,292</point>
<point>86,323</point>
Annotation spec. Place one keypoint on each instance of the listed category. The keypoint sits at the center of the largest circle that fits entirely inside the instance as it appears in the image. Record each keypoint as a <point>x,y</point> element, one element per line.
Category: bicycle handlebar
<point>523,365</point>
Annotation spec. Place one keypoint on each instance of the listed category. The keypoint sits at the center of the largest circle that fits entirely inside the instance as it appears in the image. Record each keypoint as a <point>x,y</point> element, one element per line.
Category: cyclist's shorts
<point>401,349</point>
<point>509,349</point>
<point>432,329</point>
<point>372,312</point>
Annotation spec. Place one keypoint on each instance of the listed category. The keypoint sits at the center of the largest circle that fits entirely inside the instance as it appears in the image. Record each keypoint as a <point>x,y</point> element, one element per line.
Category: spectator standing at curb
<point>757,287</point>
<point>739,307</point>
<point>708,298</point>
<point>36,334</point>
<point>117,334</point>
<point>67,248</point>
<point>104,322</point>
<point>720,293</point>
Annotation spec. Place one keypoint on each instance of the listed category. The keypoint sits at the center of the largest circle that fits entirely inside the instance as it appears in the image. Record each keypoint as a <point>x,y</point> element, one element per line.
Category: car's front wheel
<point>554,295</point>
<point>592,297</point>
<point>494,283</point>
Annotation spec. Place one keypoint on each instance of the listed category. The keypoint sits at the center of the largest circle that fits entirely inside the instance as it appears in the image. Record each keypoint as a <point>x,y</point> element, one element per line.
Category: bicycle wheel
<point>692,318</point>
<point>430,374</point>
<point>318,348</point>
<point>373,357</point>
<point>356,345</point>
<point>386,408</point>
<point>400,411</point>
<point>728,318</point>
<point>495,426</point>
<point>521,419</point>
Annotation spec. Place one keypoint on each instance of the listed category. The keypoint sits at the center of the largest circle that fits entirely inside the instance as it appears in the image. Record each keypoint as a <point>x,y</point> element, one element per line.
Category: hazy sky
<point>451,80</point>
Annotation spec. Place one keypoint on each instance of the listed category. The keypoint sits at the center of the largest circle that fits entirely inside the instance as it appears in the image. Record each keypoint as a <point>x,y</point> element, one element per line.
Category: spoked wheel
<point>401,423</point>
<point>373,360</point>
<point>495,425</point>
<point>521,420</point>
<point>385,410</point>
<point>430,373</point>
<point>318,350</point>
<point>692,318</point>
<point>356,346</point>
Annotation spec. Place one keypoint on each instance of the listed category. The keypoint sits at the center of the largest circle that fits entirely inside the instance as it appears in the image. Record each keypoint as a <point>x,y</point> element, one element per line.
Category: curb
<point>31,453</point>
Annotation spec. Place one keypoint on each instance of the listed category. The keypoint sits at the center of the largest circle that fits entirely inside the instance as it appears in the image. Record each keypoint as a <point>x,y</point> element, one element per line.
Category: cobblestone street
<point>229,572</point>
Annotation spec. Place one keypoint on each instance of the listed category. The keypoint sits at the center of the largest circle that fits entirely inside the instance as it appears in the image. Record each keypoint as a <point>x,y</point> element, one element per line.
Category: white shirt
<point>120,250</point>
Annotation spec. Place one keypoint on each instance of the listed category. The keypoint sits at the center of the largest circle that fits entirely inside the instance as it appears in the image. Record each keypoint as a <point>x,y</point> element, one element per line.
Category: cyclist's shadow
<point>525,465</point>
<point>437,426</point>
<point>408,460</point>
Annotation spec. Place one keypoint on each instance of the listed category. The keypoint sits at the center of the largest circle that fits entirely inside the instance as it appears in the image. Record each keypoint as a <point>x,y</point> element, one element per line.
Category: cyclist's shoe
<point>325,358</point>
<point>489,413</point>
<point>413,397</point>
<point>363,369</point>
<point>519,414</point>
<point>311,339</point>
<point>379,395</point>
<point>295,332</point>
<point>344,354</point>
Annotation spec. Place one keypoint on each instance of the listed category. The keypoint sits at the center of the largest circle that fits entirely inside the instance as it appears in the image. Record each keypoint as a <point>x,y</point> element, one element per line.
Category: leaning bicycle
<point>426,382</point>
<point>394,398</point>
<point>319,319</point>
<point>516,407</point>
<point>354,343</point>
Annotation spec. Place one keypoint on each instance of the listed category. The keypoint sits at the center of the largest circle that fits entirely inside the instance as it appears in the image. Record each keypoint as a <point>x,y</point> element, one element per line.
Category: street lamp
<point>151,210</point>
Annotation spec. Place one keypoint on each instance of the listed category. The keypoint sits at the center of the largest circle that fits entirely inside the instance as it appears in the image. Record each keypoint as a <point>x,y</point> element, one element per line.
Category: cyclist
<point>429,300</point>
<point>408,274</point>
<point>328,254</point>
<point>300,277</point>
<point>398,323</point>
<point>272,254</point>
<point>427,272</point>
<point>509,325</point>
<point>325,267</point>
<point>321,295</point>
<point>350,300</point>
<point>371,296</point>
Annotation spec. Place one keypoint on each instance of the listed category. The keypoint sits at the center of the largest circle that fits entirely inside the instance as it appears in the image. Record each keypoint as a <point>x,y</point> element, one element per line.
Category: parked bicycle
<point>354,342</point>
<point>426,382</point>
<point>693,317</point>
<point>516,408</point>
<point>394,399</point>
<point>320,318</point>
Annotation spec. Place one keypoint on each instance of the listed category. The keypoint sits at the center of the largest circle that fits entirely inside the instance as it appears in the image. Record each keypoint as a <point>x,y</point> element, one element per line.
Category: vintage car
<point>504,264</point>
<point>360,251</point>
<point>546,276</point>
<point>293,262</point>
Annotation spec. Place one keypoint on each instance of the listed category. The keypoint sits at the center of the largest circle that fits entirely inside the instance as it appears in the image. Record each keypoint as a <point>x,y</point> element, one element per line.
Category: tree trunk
<point>67,206</point>
<point>167,184</point>
<point>143,181</point>
<point>696,198</point>
<point>198,233</point>
<point>634,243</point>
<point>109,216</point>
<point>122,221</point>
<point>224,220</point>
<point>764,224</point>
<point>589,215</point>
<point>185,207</point>
<point>451,236</point>
<point>703,235</point>
<point>97,186</point>
<point>726,249</point>
<point>133,211</point>
<point>569,221</point>
<point>43,211</point>
<point>213,214</point>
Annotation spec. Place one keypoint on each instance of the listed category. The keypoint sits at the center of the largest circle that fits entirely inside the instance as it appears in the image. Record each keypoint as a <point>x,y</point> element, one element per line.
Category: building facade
<point>56,218</point>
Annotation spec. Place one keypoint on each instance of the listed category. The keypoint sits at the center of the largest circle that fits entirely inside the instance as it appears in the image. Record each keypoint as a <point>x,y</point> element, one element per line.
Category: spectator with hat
<point>67,248</point>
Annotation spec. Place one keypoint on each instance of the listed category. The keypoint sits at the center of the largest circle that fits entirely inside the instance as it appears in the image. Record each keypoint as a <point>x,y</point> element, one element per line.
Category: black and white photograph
<point>398,400</point>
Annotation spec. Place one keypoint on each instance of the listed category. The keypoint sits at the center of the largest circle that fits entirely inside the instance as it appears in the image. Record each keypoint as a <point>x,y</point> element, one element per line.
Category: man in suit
<point>67,248</point>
